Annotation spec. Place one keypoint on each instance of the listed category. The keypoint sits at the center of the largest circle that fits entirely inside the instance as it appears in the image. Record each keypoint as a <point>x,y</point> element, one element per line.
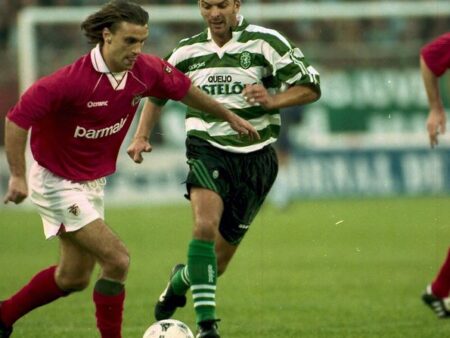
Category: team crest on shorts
<point>245,60</point>
<point>215,174</point>
<point>74,209</point>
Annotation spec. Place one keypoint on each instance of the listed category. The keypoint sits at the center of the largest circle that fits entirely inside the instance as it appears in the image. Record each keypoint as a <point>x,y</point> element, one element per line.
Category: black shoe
<point>438,305</point>
<point>208,329</point>
<point>169,301</point>
<point>5,332</point>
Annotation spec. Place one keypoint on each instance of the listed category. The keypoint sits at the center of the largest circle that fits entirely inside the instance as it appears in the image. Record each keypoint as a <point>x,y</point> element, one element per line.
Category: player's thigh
<point>100,241</point>
<point>75,265</point>
<point>260,172</point>
<point>257,172</point>
<point>207,208</point>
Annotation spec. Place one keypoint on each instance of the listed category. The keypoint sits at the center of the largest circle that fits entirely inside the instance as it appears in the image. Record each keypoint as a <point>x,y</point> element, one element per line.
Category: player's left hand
<point>257,94</point>
<point>137,147</point>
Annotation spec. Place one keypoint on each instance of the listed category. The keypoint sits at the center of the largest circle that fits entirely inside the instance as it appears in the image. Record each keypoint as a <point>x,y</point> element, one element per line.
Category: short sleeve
<point>289,64</point>
<point>169,60</point>
<point>171,83</point>
<point>436,54</point>
<point>43,97</point>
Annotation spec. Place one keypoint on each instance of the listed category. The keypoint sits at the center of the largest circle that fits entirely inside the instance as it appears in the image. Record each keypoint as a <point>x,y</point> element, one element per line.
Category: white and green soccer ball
<point>168,328</point>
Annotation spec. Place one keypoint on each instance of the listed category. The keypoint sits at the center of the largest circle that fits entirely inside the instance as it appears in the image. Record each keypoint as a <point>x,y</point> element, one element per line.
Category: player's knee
<point>117,266</point>
<point>78,284</point>
<point>123,262</point>
<point>73,283</point>
<point>205,229</point>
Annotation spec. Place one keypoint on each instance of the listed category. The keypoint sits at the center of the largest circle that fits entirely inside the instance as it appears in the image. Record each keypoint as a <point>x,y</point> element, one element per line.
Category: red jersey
<point>436,54</point>
<point>80,114</point>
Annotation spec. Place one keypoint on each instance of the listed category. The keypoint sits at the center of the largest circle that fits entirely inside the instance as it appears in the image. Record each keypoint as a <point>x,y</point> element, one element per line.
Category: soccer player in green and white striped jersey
<point>253,71</point>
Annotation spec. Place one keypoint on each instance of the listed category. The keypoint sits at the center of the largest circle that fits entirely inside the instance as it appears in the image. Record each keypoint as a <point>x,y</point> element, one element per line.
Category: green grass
<point>350,268</point>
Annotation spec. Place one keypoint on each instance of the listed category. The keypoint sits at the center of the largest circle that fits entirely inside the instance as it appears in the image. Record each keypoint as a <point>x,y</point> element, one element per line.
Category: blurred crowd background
<point>330,43</point>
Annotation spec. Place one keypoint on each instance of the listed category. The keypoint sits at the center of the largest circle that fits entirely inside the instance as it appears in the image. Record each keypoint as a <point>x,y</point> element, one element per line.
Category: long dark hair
<point>110,16</point>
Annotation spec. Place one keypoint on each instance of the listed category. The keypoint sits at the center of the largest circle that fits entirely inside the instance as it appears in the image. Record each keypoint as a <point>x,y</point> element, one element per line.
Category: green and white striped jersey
<point>254,55</point>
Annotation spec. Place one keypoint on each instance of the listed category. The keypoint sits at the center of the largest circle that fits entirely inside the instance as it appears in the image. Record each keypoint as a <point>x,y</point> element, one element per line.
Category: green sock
<point>202,267</point>
<point>180,281</point>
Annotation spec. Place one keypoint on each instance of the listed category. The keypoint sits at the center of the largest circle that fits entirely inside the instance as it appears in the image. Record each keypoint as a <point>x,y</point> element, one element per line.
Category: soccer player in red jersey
<point>434,62</point>
<point>78,117</point>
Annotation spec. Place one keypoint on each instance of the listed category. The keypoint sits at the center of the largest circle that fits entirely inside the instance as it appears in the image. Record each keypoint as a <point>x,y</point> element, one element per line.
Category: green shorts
<point>242,180</point>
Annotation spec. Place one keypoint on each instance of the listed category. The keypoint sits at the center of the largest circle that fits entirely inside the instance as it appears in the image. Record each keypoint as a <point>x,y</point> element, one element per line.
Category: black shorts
<point>242,180</point>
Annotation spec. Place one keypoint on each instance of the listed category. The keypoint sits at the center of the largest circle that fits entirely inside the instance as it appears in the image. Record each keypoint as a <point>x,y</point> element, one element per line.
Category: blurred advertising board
<point>369,172</point>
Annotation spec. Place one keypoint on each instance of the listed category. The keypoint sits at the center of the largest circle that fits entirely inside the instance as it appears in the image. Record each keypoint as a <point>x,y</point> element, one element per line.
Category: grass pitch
<point>348,268</point>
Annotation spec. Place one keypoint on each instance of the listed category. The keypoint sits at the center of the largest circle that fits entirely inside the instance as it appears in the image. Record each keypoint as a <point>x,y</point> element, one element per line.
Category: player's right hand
<point>17,190</point>
<point>243,127</point>
<point>137,147</point>
<point>436,125</point>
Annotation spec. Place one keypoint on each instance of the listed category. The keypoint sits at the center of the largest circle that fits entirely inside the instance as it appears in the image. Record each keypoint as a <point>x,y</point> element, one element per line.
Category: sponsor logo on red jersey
<point>94,104</point>
<point>81,132</point>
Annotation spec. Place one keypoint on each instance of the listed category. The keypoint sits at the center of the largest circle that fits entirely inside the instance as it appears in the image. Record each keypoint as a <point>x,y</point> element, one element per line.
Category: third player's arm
<point>436,118</point>
<point>431,86</point>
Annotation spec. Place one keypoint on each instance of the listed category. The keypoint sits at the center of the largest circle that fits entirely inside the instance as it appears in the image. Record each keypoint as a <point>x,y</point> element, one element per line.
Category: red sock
<point>41,290</point>
<point>441,285</point>
<point>108,312</point>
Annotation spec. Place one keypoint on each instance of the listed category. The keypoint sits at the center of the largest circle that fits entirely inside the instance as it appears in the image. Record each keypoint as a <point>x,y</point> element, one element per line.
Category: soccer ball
<point>168,328</point>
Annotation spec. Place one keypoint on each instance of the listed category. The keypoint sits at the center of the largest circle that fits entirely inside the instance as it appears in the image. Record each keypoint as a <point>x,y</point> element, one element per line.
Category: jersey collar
<point>242,24</point>
<point>117,80</point>
<point>97,60</point>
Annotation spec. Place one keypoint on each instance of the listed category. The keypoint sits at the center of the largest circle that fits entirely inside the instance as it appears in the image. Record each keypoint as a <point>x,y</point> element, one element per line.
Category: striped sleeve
<point>288,63</point>
<point>293,68</point>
